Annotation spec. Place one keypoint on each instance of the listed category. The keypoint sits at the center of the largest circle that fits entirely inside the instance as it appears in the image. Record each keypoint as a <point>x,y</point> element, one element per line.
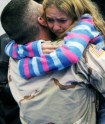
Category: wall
<point>2,5</point>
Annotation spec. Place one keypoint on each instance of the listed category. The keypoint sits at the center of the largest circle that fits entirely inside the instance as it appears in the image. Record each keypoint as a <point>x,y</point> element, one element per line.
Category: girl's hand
<point>48,47</point>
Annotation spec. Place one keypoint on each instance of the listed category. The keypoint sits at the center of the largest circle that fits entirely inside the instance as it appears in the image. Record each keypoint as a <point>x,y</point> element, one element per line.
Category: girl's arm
<point>74,44</point>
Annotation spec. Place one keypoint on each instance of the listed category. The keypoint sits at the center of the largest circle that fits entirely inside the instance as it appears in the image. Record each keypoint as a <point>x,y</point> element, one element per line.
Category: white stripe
<point>76,44</point>
<point>35,66</point>
<point>85,27</point>
<point>20,50</point>
<point>56,61</point>
<point>8,47</point>
<point>39,47</point>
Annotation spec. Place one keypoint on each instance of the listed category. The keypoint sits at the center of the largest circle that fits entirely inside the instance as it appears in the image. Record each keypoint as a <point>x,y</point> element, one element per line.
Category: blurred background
<point>2,5</point>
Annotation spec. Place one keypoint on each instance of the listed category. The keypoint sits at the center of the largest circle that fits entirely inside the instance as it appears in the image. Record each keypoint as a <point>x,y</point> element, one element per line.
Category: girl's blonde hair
<point>76,8</point>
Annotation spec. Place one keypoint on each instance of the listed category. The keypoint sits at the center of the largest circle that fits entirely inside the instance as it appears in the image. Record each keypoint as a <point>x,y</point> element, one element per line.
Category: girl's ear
<point>42,21</point>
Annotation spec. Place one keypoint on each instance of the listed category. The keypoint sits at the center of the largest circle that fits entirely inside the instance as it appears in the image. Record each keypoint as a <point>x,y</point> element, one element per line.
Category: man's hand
<point>48,47</point>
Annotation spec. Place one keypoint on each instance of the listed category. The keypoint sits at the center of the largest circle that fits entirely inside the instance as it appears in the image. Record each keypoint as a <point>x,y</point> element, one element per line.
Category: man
<point>55,97</point>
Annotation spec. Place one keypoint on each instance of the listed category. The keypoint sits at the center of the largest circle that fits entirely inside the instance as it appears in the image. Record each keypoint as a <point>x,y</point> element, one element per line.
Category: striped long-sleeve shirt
<point>33,63</point>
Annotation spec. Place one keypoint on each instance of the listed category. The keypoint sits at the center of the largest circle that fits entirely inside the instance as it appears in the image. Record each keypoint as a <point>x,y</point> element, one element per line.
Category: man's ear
<point>42,21</point>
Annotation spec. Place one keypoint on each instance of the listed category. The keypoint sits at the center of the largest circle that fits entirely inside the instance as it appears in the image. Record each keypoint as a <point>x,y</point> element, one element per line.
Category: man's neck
<point>44,34</point>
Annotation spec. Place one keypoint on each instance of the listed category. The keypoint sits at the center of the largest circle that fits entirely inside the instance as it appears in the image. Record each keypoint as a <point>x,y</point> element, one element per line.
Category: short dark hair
<point>19,21</point>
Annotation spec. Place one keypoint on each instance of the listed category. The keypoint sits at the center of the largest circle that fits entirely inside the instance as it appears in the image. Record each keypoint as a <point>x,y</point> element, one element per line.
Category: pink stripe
<point>90,21</point>
<point>30,51</point>
<point>75,35</point>
<point>14,53</point>
<point>71,57</point>
<point>94,39</point>
<point>44,63</point>
<point>25,67</point>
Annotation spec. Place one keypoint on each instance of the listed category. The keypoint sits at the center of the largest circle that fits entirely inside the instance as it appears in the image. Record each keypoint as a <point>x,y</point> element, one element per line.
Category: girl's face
<point>58,22</point>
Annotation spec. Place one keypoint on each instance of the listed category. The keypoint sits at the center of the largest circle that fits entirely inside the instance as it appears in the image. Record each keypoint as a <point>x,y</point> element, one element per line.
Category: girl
<point>83,24</point>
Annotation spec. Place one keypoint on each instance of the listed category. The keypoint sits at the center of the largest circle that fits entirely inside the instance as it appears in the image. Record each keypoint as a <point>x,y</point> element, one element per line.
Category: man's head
<point>20,20</point>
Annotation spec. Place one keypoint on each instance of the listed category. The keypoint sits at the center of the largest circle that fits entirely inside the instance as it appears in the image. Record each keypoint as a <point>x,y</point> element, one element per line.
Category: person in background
<point>29,97</point>
<point>9,110</point>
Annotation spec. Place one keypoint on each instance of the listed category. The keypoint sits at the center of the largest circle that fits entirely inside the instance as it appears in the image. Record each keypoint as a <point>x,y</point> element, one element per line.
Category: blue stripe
<point>8,48</point>
<point>64,60</point>
<point>31,71</point>
<point>21,68</point>
<point>50,62</point>
<point>99,39</point>
<point>40,67</point>
<point>35,48</point>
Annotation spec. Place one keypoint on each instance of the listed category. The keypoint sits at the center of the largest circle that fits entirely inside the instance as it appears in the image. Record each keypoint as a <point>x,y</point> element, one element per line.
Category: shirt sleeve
<point>68,54</point>
<point>81,30</point>
<point>75,41</point>
<point>18,51</point>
